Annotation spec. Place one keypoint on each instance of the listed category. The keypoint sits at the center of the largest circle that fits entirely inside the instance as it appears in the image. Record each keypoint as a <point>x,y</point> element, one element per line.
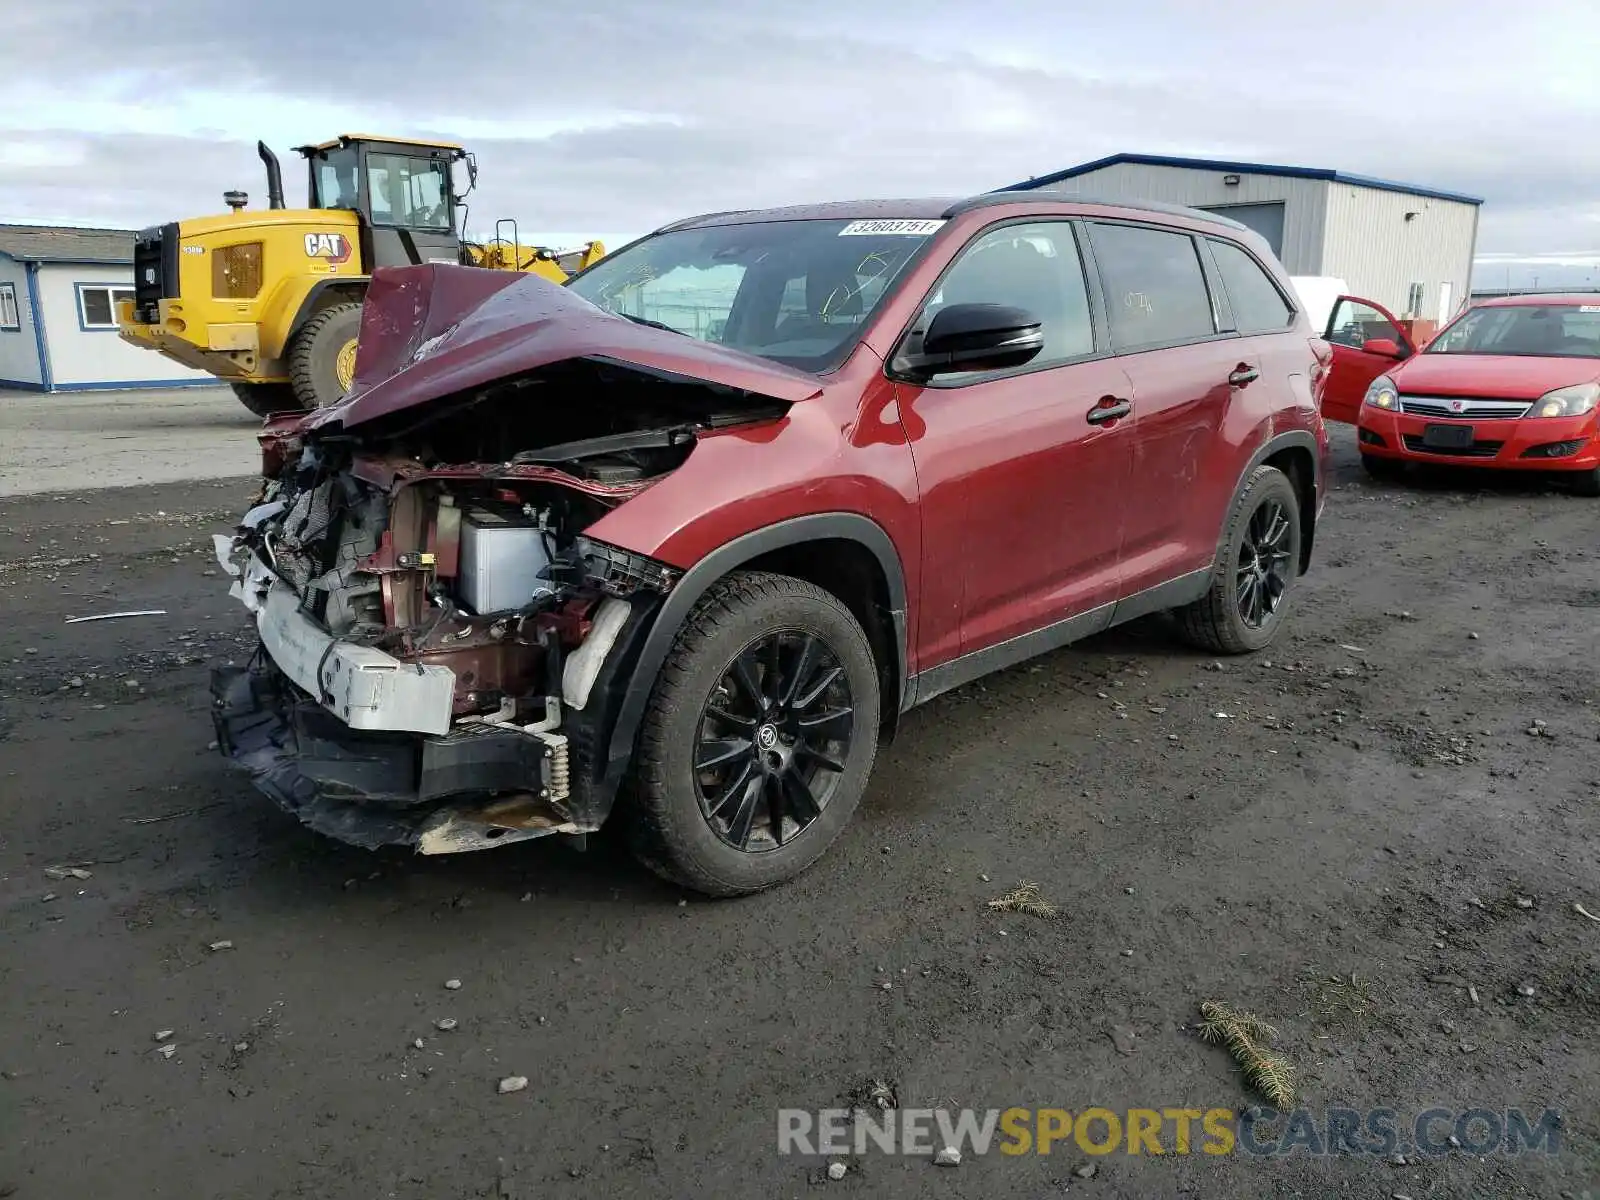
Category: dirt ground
<point>1367,798</point>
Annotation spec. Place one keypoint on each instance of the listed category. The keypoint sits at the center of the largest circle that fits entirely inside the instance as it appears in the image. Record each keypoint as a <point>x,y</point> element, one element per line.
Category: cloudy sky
<point>609,118</point>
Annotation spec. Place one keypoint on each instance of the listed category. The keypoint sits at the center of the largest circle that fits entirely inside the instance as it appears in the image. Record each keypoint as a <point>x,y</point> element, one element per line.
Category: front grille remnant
<point>1465,408</point>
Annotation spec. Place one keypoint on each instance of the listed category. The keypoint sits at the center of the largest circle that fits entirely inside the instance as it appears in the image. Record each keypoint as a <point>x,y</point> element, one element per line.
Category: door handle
<point>1112,411</point>
<point>1242,374</point>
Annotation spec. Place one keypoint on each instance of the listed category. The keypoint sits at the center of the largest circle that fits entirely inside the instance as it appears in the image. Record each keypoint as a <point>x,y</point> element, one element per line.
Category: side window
<point>336,180</point>
<point>1035,267</point>
<point>408,191</point>
<point>1155,288</point>
<point>1354,323</point>
<point>1258,305</point>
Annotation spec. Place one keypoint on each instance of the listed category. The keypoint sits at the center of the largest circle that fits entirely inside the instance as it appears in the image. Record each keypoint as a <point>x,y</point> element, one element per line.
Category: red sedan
<point>1510,383</point>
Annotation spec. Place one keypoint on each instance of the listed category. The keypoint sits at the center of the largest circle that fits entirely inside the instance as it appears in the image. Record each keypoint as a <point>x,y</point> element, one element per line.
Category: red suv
<point>1510,383</point>
<point>697,528</point>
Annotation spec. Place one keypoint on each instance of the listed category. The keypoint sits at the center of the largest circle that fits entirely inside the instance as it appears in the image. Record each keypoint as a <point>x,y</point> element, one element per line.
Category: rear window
<point>1155,288</point>
<point>1258,305</point>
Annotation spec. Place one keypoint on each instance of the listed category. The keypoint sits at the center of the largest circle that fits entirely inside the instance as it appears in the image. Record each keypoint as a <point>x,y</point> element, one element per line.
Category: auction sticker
<point>901,226</point>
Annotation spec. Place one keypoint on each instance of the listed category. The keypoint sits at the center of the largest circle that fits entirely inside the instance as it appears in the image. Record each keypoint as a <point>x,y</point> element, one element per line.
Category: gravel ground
<point>1367,799</point>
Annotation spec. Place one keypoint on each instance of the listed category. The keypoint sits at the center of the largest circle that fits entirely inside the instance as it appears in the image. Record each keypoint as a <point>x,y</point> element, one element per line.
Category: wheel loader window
<point>335,177</point>
<point>408,191</point>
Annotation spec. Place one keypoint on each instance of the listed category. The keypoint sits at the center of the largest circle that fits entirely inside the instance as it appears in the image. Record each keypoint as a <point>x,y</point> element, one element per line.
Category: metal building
<point>1409,248</point>
<point>59,288</point>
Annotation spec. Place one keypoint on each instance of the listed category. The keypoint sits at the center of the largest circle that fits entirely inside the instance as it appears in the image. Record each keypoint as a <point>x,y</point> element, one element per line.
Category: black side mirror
<point>976,337</point>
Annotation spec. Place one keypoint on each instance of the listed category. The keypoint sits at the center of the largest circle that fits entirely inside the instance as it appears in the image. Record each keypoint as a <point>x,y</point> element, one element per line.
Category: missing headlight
<point>619,572</point>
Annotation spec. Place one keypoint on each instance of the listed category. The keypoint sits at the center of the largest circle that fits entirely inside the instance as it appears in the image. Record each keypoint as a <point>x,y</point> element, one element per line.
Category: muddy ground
<point>1371,803</point>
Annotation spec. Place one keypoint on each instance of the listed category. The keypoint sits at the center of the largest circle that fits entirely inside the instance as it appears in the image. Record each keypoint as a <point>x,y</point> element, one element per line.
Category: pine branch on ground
<point>1245,1035</point>
<point>1026,899</point>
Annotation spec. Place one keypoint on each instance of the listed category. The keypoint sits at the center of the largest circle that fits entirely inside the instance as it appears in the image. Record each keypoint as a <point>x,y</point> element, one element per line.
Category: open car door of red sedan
<point>1366,341</point>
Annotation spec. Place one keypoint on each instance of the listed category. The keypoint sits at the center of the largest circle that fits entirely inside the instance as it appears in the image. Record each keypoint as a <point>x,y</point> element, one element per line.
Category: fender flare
<point>728,557</point>
<point>1305,440</point>
<point>309,306</point>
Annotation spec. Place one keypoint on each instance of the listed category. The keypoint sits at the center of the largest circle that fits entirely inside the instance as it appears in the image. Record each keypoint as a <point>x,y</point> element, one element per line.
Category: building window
<point>97,305</point>
<point>10,318</point>
<point>1415,299</point>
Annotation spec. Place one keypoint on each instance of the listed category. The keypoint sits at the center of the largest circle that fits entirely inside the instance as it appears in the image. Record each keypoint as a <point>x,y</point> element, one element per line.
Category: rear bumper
<point>1515,437</point>
<point>241,364</point>
<point>477,787</point>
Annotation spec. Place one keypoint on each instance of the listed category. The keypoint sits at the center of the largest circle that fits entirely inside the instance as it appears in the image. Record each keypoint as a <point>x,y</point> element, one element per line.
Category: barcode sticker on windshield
<point>893,226</point>
<point>1589,308</point>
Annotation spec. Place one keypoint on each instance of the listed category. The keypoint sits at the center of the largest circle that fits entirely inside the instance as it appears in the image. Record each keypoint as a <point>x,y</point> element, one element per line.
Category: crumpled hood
<point>436,330</point>
<point>1501,376</point>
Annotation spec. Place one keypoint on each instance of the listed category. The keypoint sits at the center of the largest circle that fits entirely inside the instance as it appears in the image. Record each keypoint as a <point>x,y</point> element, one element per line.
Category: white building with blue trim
<point>58,327</point>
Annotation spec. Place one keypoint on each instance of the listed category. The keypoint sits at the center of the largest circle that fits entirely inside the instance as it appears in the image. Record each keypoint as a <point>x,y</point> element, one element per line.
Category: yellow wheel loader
<point>269,300</point>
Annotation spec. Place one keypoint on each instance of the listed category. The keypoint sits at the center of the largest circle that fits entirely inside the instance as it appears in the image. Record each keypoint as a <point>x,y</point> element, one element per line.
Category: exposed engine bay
<point>433,618</point>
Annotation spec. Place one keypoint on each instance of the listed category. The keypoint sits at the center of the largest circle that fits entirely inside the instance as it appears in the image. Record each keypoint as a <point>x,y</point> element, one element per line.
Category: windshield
<point>797,292</point>
<point>1532,330</point>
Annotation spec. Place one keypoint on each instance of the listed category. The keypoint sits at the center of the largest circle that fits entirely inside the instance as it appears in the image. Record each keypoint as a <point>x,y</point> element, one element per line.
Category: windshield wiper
<point>647,321</point>
<point>611,443</point>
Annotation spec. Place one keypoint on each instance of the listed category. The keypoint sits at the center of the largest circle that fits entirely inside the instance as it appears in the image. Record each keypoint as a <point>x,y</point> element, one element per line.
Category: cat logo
<point>332,248</point>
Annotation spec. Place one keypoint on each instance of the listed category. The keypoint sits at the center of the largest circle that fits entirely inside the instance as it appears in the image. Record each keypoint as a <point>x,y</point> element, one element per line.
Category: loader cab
<point>402,192</point>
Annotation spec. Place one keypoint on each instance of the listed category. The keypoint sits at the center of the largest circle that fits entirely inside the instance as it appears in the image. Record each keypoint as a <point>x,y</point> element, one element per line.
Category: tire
<point>685,823</point>
<point>1219,621</point>
<point>1386,470</point>
<point>314,354</point>
<point>1585,483</point>
<point>266,399</point>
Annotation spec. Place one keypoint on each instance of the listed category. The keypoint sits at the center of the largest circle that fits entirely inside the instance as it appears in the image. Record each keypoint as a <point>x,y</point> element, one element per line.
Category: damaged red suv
<point>694,530</point>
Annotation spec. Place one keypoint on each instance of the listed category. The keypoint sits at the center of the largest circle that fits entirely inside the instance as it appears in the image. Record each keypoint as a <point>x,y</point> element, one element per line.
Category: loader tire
<point>322,355</point>
<point>266,399</point>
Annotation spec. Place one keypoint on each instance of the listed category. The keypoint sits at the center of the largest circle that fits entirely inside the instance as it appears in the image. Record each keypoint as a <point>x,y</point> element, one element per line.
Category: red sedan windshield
<point>1529,330</point>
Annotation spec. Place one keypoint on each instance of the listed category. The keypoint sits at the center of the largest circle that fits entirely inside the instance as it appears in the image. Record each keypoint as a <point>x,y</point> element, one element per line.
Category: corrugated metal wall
<point>1380,254</point>
<point>1304,200</point>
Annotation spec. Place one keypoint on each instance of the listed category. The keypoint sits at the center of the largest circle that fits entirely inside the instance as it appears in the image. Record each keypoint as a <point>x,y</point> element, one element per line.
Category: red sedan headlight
<point>1571,401</point>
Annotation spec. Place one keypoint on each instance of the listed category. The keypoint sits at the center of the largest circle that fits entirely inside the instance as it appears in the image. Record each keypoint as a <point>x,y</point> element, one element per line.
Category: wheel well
<point>851,572</point>
<point>1296,462</point>
<point>324,298</point>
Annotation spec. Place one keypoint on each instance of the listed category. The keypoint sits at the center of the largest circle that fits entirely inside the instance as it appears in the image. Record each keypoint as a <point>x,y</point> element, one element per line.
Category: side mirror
<point>1387,347</point>
<point>976,337</point>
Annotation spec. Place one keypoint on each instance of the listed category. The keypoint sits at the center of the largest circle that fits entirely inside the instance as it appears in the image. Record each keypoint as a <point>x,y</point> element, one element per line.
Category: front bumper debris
<point>365,687</point>
<point>477,786</point>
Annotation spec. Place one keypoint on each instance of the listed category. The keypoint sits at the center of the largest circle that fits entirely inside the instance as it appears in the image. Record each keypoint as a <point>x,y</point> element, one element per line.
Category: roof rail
<point>1029,196</point>
<point>687,222</point>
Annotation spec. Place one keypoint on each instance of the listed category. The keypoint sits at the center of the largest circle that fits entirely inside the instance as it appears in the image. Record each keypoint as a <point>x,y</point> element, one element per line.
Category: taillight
<point>1322,352</point>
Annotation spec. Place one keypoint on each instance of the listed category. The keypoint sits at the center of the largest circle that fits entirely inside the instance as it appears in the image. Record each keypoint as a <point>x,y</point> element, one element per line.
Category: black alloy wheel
<point>1264,568</point>
<point>1249,588</point>
<point>773,739</point>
